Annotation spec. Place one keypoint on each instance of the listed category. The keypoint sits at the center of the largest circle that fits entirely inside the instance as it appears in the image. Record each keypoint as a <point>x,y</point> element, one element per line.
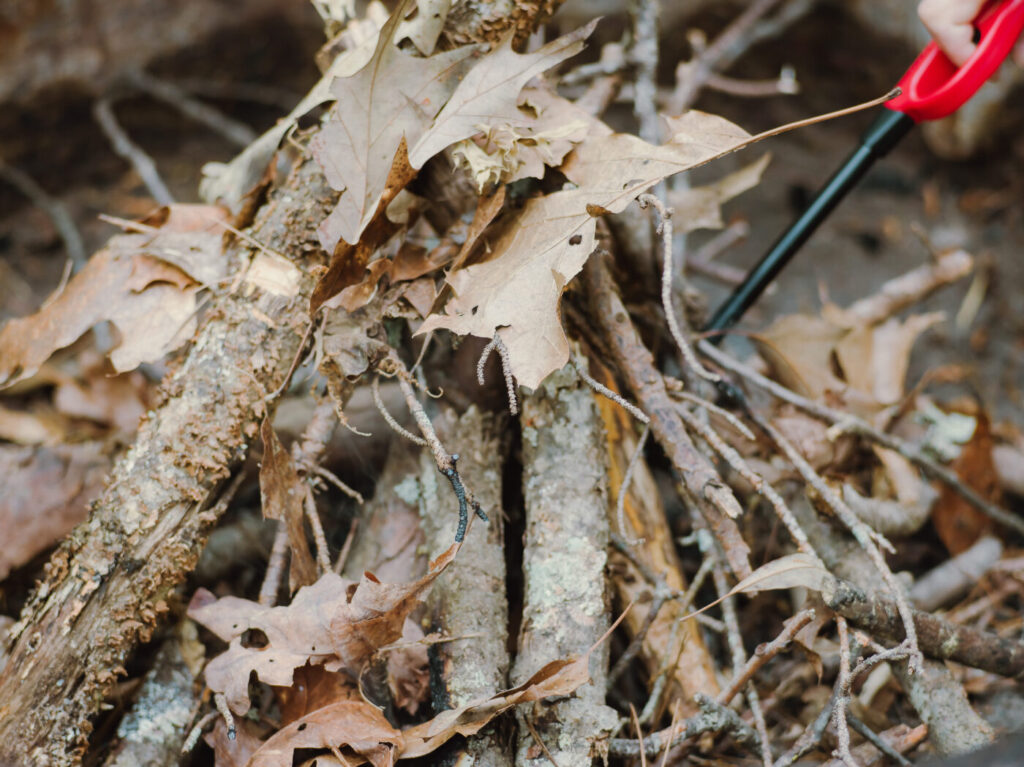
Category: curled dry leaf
<point>356,728</point>
<point>362,733</point>
<point>541,248</point>
<point>283,497</point>
<point>786,572</point>
<point>700,207</point>
<point>144,283</point>
<point>236,751</point>
<point>334,622</point>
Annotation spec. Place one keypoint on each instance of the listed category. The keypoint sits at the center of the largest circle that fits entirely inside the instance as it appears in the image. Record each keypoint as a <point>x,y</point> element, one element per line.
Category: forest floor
<point>911,202</point>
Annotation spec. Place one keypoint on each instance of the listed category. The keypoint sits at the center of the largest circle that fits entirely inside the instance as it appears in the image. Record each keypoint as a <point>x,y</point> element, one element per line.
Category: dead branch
<point>468,599</point>
<point>938,638</point>
<point>105,588</point>
<point>153,731</point>
<point>951,579</point>
<point>54,208</point>
<point>565,602</point>
<point>936,695</point>
<point>713,497</point>
<point>713,717</point>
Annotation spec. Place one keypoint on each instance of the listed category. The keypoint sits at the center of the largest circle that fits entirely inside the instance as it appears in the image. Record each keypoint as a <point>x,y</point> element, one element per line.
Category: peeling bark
<point>468,602</point>
<point>565,602</point>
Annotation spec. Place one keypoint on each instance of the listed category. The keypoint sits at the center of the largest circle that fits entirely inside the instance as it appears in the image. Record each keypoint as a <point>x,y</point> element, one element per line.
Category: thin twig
<point>536,737</point>
<point>712,717</point>
<point>331,477</point>
<point>696,72</point>
<point>639,735</point>
<point>124,147</point>
<point>874,739</point>
<point>221,702</point>
<point>643,53</point>
<point>346,548</point>
<point>390,419</point>
<point>445,462</point>
<point>54,208</point>
<point>665,230</point>
<point>843,699</point>
<point>760,485</point>
<point>620,503</point>
<point>661,595</point>
<point>234,131</point>
<point>195,733</point>
<point>496,344</point>
<point>614,396</point>
<point>853,425</point>
<point>861,532</point>
<point>323,557</point>
<point>739,659</point>
<point>764,653</point>
<point>275,567</point>
<point>711,407</point>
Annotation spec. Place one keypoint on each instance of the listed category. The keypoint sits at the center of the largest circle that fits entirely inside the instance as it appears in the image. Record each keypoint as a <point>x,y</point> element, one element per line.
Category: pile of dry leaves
<point>552,497</point>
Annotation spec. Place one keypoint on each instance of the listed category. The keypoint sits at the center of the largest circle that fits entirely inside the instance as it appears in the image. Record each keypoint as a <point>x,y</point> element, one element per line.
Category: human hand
<point>949,22</point>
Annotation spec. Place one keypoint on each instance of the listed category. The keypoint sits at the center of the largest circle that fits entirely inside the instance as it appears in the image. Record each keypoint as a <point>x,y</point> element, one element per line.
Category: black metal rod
<point>882,136</point>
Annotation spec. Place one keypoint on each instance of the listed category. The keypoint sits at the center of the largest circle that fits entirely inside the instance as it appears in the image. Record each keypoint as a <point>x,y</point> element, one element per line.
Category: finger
<point>950,24</point>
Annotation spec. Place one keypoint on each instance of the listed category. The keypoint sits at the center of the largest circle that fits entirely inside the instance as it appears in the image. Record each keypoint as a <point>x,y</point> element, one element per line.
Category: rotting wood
<point>700,480</point>
<point>108,584</point>
<point>565,606</point>
<point>682,651</point>
<point>467,602</point>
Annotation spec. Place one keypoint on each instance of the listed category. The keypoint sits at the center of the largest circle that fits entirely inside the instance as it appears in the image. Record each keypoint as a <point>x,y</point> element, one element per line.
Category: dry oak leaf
<point>362,733</point>
<point>541,248</point>
<point>144,283</point>
<point>283,496</point>
<point>334,622</point>
<point>429,102</point>
<point>540,133</point>
<point>357,728</point>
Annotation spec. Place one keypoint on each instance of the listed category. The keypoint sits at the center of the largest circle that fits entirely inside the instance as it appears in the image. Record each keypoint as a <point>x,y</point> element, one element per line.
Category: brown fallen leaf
<point>236,751</point>
<point>366,737</point>
<point>283,497</point>
<point>541,248</point>
<point>700,207</point>
<point>23,427</point>
<point>135,284</point>
<point>957,522</point>
<point>391,99</point>
<point>46,492</point>
<point>334,622</point>
<point>358,729</point>
<point>314,687</point>
<point>425,24</point>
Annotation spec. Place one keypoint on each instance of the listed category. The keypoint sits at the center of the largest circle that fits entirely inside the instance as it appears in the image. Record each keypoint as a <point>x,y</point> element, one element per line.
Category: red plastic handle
<point>934,87</point>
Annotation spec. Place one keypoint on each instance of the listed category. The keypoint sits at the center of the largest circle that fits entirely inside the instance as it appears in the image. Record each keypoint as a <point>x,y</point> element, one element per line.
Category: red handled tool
<point>932,88</point>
